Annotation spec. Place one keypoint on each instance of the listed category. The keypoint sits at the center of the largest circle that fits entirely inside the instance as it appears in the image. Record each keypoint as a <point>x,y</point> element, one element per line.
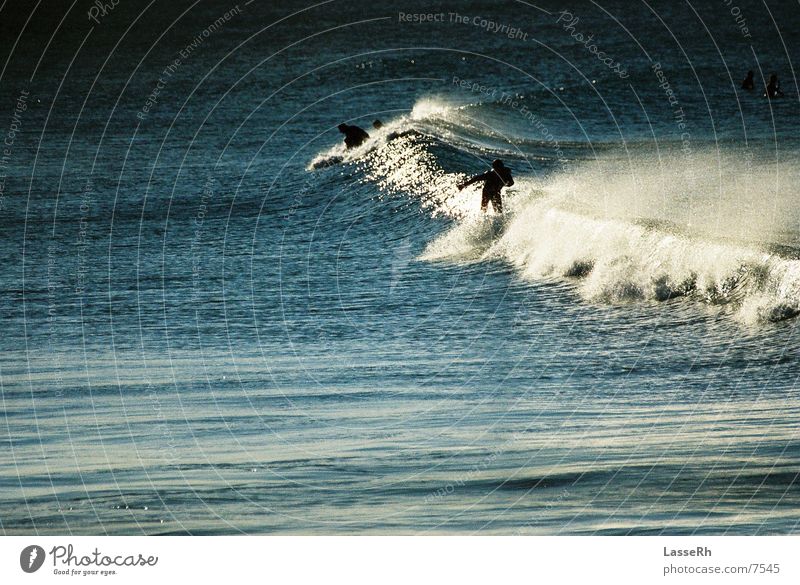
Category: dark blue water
<point>217,320</point>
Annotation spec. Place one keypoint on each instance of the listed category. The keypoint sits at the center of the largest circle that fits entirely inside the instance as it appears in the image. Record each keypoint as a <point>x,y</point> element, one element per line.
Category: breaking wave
<point>629,225</point>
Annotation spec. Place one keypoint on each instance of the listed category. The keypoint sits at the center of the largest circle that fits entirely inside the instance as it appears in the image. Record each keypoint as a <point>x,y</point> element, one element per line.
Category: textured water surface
<point>216,320</point>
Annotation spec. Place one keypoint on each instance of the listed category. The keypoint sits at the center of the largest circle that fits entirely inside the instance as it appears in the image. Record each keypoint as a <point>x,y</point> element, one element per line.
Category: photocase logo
<point>31,558</point>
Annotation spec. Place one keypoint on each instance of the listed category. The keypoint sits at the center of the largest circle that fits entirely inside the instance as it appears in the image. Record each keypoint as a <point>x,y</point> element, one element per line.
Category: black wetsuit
<point>773,90</point>
<point>354,136</point>
<point>493,181</point>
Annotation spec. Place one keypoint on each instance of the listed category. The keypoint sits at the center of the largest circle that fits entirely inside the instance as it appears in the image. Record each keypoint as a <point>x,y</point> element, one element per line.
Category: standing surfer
<point>493,182</point>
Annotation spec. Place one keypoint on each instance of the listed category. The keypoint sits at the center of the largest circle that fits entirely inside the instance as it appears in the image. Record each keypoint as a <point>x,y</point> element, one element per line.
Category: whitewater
<point>624,226</point>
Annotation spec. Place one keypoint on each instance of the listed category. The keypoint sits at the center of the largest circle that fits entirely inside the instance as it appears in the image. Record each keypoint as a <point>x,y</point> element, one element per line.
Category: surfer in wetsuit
<point>353,135</point>
<point>773,88</point>
<point>749,82</point>
<point>493,181</point>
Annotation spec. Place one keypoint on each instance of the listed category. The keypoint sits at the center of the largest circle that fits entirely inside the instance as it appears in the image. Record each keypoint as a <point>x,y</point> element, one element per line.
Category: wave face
<point>623,225</point>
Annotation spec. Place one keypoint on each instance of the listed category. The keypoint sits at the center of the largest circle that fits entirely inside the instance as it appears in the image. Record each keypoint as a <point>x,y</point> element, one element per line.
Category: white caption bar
<point>400,560</point>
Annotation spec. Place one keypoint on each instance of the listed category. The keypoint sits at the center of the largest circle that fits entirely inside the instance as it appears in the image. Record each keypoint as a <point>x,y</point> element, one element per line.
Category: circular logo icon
<point>31,558</point>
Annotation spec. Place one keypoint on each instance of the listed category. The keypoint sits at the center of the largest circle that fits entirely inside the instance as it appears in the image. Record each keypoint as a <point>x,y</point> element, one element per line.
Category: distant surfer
<point>749,83</point>
<point>493,182</point>
<point>353,135</point>
<point>773,88</point>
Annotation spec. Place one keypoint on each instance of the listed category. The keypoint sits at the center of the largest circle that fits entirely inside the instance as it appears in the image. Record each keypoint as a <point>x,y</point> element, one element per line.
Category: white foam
<point>431,107</point>
<point>627,238</point>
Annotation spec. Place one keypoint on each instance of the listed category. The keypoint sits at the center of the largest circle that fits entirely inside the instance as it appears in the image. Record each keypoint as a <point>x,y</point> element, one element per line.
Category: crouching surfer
<point>493,182</point>
<point>353,135</point>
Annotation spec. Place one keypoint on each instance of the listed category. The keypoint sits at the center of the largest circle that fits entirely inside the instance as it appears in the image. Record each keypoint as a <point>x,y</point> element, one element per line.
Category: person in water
<point>749,83</point>
<point>493,182</point>
<point>353,135</point>
<point>773,88</point>
<point>377,124</point>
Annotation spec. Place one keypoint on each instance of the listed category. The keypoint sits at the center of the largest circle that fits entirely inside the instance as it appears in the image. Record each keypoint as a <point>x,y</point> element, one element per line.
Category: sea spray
<point>626,237</point>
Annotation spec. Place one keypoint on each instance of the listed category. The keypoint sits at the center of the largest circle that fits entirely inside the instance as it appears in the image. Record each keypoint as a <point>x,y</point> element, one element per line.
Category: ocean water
<point>218,321</point>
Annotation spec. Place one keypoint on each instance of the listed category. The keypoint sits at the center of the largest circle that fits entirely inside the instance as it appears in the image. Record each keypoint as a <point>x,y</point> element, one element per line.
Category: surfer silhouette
<point>353,135</point>
<point>773,88</point>
<point>749,83</point>
<point>493,182</point>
